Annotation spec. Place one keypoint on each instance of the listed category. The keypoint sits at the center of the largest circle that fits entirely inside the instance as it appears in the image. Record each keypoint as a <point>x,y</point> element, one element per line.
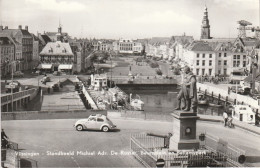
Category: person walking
<point>225,118</point>
<point>4,138</point>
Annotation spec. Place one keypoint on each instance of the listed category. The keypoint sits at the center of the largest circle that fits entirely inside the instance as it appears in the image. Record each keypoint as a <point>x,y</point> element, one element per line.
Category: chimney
<point>26,28</point>
<point>6,27</point>
<point>20,27</point>
<point>1,28</point>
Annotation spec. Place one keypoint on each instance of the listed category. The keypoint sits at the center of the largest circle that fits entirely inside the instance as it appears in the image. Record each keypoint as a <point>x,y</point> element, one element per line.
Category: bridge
<point>10,102</point>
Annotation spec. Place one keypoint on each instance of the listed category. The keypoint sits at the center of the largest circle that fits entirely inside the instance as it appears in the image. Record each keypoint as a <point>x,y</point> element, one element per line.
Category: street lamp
<point>111,70</point>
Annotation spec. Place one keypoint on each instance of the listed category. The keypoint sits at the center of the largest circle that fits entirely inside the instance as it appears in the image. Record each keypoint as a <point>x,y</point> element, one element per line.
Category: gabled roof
<point>13,32</point>
<point>5,41</point>
<point>200,46</point>
<point>159,40</point>
<point>57,48</point>
<point>182,39</point>
<point>45,38</point>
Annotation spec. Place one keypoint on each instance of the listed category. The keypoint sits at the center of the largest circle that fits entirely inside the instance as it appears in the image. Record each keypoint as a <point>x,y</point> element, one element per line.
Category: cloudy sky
<point>128,18</point>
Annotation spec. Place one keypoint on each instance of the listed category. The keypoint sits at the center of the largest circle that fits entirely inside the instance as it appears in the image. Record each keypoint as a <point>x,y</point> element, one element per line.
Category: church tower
<point>205,27</point>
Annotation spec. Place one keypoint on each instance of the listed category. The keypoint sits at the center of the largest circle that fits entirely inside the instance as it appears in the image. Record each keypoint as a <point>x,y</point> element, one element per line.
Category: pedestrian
<point>225,118</point>
<point>4,138</point>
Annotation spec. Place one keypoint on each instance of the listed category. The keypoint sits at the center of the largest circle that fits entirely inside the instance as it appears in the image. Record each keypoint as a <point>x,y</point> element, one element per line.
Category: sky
<point>114,19</point>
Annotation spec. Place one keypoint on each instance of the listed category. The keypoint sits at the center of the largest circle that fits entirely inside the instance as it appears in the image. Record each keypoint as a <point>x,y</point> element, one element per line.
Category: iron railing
<point>148,149</point>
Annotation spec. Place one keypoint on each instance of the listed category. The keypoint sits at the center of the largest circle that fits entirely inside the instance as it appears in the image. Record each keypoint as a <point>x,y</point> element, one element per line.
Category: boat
<point>137,103</point>
<point>215,105</point>
<point>243,113</point>
<point>202,100</point>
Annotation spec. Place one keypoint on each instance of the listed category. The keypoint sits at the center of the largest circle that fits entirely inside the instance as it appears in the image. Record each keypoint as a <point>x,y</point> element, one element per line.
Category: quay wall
<point>255,104</point>
<point>146,86</point>
<point>89,98</point>
<point>41,115</point>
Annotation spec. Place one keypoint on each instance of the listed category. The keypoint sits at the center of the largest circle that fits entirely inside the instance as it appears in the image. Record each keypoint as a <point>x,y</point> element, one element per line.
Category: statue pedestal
<point>184,131</point>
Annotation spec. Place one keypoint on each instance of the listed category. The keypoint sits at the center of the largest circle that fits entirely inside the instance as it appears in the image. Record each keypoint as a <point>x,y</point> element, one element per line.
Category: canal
<point>164,101</point>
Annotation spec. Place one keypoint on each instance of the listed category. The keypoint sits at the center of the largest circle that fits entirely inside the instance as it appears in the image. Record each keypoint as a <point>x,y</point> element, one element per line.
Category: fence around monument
<point>148,149</point>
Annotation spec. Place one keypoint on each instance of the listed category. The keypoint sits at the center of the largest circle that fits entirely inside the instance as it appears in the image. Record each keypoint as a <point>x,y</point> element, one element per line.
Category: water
<point>165,101</point>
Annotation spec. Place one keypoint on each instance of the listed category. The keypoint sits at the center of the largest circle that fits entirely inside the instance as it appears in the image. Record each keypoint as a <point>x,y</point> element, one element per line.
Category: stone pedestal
<point>184,131</point>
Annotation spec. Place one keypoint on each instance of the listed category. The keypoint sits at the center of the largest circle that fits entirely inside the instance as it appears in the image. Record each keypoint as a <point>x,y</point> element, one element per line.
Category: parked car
<point>245,90</point>
<point>46,79</point>
<point>95,122</point>
<point>18,74</point>
<point>15,85</point>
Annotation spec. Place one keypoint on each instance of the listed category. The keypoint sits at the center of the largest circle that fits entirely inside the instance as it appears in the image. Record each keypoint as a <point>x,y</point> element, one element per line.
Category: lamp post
<point>111,70</point>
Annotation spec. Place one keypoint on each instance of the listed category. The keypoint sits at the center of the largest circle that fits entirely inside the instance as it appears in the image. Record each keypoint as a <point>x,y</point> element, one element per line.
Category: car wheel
<point>105,129</point>
<point>79,127</point>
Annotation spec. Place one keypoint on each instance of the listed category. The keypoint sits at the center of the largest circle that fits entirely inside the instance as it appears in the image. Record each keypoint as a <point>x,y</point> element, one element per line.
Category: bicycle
<point>7,144</point>
<point>229,123</point>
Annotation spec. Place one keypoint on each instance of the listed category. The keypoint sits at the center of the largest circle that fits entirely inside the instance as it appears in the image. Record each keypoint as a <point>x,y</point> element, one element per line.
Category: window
<point>219,71</point>
<point>198,55</point>
<point>219,62</point>
<point>198,62</point>
<point>203,62</point>
<point>197,71</point>
<point>203,71</point>
<point>210,71</point>
<point>92,119</point>
<point>234,63</point>
<point>100,120</point>
<point>238,63</point>
<point>219,54</point>
<point>225,72</point>
<point>225,62</point>
<point>244,56</point>
<point>210,62</point>
<point>234,57</point>
<point>210,55</point>
<point>244,63</point>
<point>225,54</point>
<point>203,55</point>
<point>238,56</point>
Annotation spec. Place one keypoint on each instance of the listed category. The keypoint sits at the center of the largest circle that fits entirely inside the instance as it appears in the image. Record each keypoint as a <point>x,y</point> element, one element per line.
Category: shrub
<point>154,64</point>
<point>158,71</point>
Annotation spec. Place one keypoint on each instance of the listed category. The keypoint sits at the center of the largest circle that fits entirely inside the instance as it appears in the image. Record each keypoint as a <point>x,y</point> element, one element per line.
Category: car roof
<point>97,115</point>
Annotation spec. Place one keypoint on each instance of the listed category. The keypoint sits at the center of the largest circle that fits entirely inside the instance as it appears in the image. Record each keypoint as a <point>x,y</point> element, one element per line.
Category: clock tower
<point>205,27</point>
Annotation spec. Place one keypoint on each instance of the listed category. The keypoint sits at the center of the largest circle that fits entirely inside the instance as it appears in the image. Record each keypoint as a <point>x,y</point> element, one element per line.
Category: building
<point>205,27</point>
<point>178,45</point>
<point>7,50</point>
<point>127,46</point>
<point>58,36</point>
<point>57,56</point>
<point>36,48</point>
<point>201,57</point>
<point>23,37</point>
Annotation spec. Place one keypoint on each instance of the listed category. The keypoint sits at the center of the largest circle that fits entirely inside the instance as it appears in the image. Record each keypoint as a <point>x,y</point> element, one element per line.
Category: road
<point>40,136</point>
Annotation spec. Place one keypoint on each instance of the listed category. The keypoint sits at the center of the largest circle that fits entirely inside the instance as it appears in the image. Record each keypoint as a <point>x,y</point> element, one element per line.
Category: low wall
<point>40,115</point>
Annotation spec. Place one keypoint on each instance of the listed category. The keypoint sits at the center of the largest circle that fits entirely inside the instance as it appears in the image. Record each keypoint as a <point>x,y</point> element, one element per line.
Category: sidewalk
<point>248,127</point>
<point>242,125</point>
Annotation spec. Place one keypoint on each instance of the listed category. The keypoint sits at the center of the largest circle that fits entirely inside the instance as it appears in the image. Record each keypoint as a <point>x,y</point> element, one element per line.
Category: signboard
<point>160,163</point>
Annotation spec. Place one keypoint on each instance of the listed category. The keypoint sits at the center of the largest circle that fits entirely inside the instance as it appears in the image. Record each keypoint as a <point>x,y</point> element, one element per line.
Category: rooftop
<point>57,48</point>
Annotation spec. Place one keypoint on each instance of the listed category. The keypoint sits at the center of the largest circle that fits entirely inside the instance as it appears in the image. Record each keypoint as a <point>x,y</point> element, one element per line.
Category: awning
<point>65,66</point>
<point>44,66</point>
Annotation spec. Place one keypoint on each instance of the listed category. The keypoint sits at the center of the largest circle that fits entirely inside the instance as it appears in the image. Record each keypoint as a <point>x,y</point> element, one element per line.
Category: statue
<point>188,92</point>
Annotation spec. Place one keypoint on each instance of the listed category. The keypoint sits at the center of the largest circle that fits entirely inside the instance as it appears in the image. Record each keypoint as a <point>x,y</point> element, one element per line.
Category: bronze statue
<point>188,92</point>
